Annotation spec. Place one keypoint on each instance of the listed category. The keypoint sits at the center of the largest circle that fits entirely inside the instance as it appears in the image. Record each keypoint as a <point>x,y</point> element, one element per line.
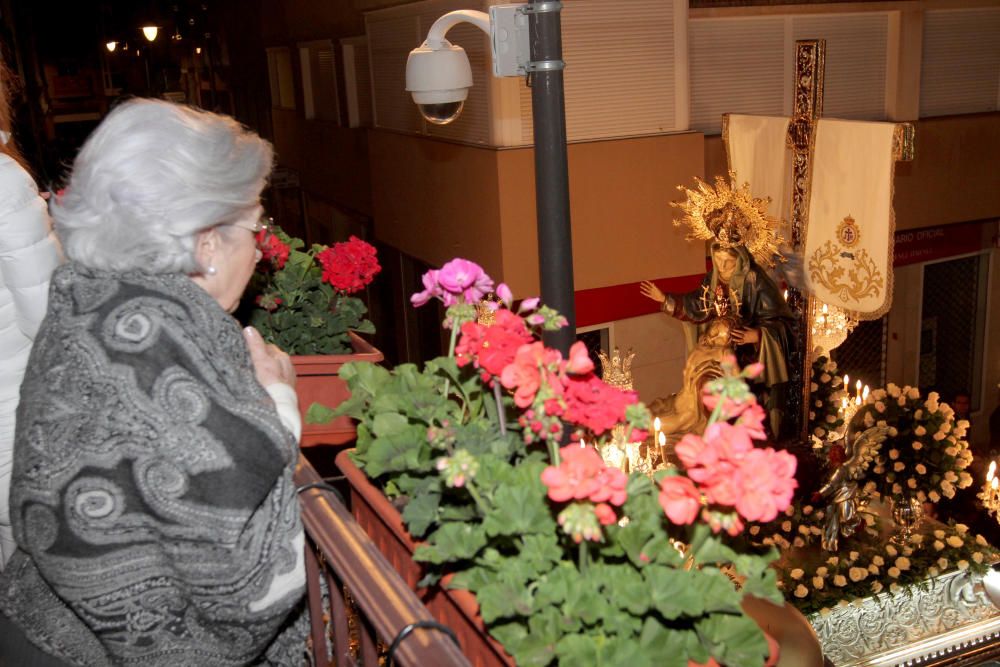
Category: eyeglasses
<point>258,226</point>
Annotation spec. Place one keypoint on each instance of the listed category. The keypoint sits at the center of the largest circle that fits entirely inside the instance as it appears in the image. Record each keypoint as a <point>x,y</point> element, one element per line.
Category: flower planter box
<point>318,382</point>
<point>457,609</point>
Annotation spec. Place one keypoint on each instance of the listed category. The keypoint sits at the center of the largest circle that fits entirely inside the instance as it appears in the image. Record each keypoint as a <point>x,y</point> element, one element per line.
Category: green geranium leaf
<point>319,414</point>
<point>451,542</point>
<point>387,424</point>
<point>733,639</point>
<point>531,647</point>
<point>672,592</point>
<point>671,647</point>
<point>503,600</point>
<point>395,453</point>
<point>519,510</point>
<point>421,512</point>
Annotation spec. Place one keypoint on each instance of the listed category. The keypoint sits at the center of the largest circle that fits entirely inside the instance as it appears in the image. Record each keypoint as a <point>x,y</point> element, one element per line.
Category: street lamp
<point>111,46</point>
<point>150,32</point>
<point>525,39</point>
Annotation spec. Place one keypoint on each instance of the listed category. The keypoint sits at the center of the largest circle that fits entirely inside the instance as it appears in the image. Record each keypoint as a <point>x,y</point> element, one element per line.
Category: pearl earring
<point>211,270</point>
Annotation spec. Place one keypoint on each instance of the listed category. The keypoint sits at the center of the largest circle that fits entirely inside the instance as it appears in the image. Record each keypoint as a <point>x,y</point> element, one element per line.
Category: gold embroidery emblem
<point>848,232</point>
<point>860,279</point>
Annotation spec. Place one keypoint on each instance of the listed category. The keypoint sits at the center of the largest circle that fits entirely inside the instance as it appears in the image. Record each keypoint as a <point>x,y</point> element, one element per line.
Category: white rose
<point>796,573</point>
<point>891,550</point>
<point>901,401</point>
<point>893,572</point>
<point>942,563</point>
<point>880,406</point>
<point>873,568</point>
<point>807,509</point>
<point>878,561</point>
<point>813,386</point>
<point>801,591</point>
<point>857,573</point>
<point>903,563</point>
<point>962,565</point>
<point>933,496</point>
<point>831,419</point>
<point>933,571</point>
<point>798,542</point>
<point>839,580</point>
<point>921,469</point>
<point>892,389</point>
<point>939,436</point>
<point>961,528</point>
<point>754,530</point>
<point>897,489</point>
<point>950,476</point>
<point>818,583</point>
<point>912,393</point>
<point>920,430</point>
<point>853,555</point>
<point>786,526</point>
<point>918,445</point>
<point>876,586</point>
<point>981,541</point>
<point>921,496</point>
<point>964,480</point>
<point>893,454</point>
<point>977,556</point>
<point>898,466</point>
<point>814,530</point>
<point>954,541</point>
<point>894,587</point>
<point>822,570</point>
<point>911,483</point>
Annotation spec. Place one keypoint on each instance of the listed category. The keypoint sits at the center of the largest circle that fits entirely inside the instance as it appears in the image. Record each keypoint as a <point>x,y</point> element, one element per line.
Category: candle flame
<point>663,439</point>
<point>656,424</point>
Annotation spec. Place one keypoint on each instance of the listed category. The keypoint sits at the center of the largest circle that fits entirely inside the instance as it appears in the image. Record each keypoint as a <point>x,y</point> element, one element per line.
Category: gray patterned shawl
<point>152,494</point>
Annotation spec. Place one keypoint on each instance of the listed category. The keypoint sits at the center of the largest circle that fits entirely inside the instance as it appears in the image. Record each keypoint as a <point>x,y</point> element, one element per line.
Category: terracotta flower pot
<point>318,382</point>
<point>457,609</point>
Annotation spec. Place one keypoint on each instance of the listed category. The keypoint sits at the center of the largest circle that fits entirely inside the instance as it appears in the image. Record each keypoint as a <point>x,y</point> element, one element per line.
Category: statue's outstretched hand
<point>746,336</point>
<point>651,291</point>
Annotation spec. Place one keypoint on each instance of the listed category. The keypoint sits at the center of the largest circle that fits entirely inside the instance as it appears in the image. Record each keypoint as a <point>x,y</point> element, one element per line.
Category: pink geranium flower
<point>460,277</point>
<point>582,475</point>
<point>492,348</point>
<point>680,499</point>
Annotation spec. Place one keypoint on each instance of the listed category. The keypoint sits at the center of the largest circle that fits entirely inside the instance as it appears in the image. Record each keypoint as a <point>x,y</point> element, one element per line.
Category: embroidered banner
<point>848,243</point>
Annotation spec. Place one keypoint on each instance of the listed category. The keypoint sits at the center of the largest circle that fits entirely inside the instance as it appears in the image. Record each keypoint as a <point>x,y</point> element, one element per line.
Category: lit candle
<point>847,382</point>
<point>582,443</point>
<point>656,429</point>
<point>992,471</point>
<point>858,387</point>
<point>786,295</point>
<point>864,395</point>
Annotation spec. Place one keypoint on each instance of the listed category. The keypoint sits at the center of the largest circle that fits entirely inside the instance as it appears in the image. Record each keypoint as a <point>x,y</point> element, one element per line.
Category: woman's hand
<point>746,336</point>
<point>270,363</point>
<point>651,291</point>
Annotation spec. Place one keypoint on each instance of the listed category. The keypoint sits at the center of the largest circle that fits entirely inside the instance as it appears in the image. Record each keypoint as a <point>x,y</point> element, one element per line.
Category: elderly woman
<point>152,498</point>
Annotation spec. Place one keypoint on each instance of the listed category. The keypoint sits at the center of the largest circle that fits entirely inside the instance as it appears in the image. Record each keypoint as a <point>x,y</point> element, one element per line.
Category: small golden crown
<point>486,310</point>
<point>617,370</point>
<point>731,217</point>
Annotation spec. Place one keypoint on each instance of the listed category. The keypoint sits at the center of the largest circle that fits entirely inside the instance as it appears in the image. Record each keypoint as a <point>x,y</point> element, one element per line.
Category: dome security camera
<point>439,79</point>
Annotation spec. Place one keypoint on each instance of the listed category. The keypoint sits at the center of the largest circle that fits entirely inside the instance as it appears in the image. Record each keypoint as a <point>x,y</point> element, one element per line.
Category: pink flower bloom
<point>528,304</point>
<point>593,404</point>
<point>460,277</point>
<point>431,289</point>
<point>579,362</point>
<point>523,374</point>
<point>689,449</point>
<point>492,348</point>
<point>605,515</point>
<point>752,420</point>
<point>730,408</point>
<point>753,370</point>
<point>505,294</point>
<point>680,499</point>
<point>582,475</point>
<point>768,484</point>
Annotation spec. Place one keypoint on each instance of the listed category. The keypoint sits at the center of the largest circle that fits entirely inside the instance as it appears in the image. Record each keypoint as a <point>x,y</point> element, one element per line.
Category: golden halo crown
<point>731,217</point>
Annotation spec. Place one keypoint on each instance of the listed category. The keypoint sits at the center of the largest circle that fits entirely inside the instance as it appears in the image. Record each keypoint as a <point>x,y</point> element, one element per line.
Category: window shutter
<point>279,70</point>
<point>737,66</point>
<point>856,62</point>
<point>319,81</point>
<point>960,72</point>
<point>390,39</point>
<point>357,81</point>
<point>620,77</point>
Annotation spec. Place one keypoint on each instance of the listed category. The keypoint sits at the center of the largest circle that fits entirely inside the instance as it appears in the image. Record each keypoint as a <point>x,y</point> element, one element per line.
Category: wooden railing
<point>369,613</point>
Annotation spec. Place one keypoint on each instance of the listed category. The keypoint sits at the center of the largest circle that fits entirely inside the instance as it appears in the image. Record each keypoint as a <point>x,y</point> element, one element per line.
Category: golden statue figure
<point>738,289</point>
<point>684,412</point>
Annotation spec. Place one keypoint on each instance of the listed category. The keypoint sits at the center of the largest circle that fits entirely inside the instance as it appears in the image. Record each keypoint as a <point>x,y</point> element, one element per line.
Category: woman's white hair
<point>150,177</point>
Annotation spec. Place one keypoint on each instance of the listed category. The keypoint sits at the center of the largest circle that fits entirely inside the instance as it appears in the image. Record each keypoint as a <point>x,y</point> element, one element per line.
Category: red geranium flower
<point>272,249</point>
<point>492,348</point>
<point>349,266</point>
<point>594,404</point>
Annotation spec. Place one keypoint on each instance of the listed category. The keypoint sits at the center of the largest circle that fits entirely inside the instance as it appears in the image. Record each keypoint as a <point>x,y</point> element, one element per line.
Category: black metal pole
<point>555,241</point>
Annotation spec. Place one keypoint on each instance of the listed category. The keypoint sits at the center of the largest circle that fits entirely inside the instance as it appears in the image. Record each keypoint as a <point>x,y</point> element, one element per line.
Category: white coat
<point>28,255</point>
